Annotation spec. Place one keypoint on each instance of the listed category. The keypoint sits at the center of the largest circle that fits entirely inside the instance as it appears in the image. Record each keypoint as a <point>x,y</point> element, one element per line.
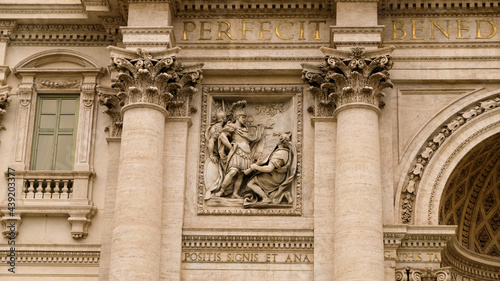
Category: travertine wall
<point>446,63</point>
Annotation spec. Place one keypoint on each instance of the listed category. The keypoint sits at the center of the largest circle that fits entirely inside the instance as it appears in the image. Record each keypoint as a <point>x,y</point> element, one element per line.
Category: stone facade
<point>252,140</point>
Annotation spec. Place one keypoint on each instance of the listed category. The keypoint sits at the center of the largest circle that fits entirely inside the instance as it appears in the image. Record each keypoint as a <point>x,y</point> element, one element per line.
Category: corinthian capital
<point>346,77</point>
<point>155,78</point>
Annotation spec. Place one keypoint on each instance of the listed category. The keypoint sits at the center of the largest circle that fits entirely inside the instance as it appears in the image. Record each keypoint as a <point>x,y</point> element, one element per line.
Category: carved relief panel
<point>250,151</point>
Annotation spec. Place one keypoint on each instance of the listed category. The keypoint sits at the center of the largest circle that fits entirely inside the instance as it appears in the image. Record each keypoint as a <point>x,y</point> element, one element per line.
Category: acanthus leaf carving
<point>160,80</point>
<point>355,76</point>
<point>423,274</point>
<point>4,103</point>
<point>113,104</point>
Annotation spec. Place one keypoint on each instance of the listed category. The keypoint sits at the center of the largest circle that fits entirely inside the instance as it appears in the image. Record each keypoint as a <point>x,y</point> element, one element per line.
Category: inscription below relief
<point>241,257</point>
<point>412,256</point>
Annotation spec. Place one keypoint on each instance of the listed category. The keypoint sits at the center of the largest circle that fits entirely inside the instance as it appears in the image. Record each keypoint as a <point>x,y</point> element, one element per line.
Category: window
<point>55,132</point>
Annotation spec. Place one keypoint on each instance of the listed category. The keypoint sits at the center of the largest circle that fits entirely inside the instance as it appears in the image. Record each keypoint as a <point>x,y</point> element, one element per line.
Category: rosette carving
<point>156,78</point>
<point>355,76</point>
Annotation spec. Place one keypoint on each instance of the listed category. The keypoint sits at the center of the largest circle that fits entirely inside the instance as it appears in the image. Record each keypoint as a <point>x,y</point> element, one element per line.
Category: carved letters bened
<point>251,151</point>
<point>355,76</point>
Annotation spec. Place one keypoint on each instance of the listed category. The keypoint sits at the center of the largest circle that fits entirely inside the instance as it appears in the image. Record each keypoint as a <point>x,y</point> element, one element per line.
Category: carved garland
<point>297,208</point>
<point>357,76</point>
<point>415,175</point>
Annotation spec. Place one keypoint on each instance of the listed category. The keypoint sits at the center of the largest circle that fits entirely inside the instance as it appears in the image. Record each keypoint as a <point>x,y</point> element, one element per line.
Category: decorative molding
<point>409,8</point>
<point>62,34</point>
<point>355,76</point>
<point>308,45</point>
<point>470,265</point>
<point>269,109</point>
<point>257,9</point>
<point>52,84</point>
<point>412,181</point>
<point>53,257</point>
<point>245,59</point>
<point>440,58</point>
<point>236,92</point>
<point>193,242</point>
<point>155,78</point>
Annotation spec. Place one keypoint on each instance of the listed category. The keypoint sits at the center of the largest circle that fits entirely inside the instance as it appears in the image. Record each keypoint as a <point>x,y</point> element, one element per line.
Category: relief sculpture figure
<point>271,176</point>
<point>233,174</point>
<point>238,141</point>
<point>214,169</point>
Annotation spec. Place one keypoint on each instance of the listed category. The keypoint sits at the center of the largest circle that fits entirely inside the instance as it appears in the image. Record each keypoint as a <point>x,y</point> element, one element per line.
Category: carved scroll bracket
<point>348,77</point>
<point>155,78</point>
<point>423,274</point>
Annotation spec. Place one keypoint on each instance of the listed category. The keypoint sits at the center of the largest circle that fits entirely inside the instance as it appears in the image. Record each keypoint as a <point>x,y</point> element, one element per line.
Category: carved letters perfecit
<point>156,78</point>
<point>355,76</point>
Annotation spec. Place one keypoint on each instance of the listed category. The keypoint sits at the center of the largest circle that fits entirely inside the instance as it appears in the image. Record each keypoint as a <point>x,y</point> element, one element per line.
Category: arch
<point>50,57</point>
<point>439,145</point>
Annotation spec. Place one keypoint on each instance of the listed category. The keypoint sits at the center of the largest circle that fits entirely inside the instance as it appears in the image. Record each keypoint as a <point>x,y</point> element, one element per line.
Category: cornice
<point>457,45</point>
<point>240,59</point>
<point>248,242</point>
<point>408,8</point>
<point>470,264</point>
<point>61,35</point>
<point>428,59</point>
<point>53,257</point>
<point>254,9</point>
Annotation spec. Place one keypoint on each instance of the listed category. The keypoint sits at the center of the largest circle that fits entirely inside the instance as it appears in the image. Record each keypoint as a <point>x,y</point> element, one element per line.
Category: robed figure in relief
<point>272,175</point>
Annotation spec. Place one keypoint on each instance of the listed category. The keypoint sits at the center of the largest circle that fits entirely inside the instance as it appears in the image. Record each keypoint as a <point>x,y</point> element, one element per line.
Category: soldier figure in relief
<point>238,141</point>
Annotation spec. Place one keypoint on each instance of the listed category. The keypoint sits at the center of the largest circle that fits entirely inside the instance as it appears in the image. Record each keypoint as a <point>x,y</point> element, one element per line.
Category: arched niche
<point>437,149</point>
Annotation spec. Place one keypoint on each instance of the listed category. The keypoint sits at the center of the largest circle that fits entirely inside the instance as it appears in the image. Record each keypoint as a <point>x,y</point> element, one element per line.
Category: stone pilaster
<point>348,87</point>
<point>151,86</point>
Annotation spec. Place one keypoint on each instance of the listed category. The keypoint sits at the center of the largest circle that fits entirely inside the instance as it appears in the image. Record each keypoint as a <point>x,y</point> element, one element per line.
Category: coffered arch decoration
<point>471,199</point>
<point>470,120</point>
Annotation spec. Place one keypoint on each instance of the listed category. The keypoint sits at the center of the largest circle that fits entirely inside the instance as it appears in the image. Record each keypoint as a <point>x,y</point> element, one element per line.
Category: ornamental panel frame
<point>269,102</point>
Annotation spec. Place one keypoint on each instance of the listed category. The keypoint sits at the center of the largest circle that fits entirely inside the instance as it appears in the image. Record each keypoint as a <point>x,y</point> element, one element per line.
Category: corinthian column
<point>349,87</point>
<point>354,81</point>
<point>149,84</point>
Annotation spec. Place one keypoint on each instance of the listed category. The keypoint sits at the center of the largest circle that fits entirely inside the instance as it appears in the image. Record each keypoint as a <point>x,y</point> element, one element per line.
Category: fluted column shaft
<point>358,233</point>
<point>135,250</point>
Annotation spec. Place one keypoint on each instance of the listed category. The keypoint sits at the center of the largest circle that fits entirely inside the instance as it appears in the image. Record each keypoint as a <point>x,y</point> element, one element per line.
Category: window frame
<point>37,132</point>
